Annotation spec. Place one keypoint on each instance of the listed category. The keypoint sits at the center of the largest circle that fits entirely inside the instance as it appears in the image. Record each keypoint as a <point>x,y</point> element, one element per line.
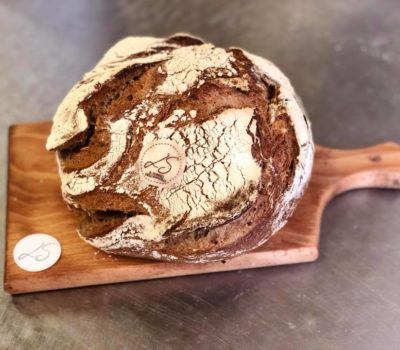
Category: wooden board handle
<point>371,167</point>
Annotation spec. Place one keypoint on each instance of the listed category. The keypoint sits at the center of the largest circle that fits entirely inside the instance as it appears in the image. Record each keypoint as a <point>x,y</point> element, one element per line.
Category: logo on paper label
<point>162,163</point>
<point>37,252</point>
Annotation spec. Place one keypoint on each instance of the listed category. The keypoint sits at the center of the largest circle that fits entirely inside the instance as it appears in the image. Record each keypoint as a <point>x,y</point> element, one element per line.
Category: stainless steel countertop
<point>344,59</point>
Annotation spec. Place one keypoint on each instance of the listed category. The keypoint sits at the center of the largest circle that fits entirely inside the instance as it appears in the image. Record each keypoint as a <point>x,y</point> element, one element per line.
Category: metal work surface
<point>343,57</point>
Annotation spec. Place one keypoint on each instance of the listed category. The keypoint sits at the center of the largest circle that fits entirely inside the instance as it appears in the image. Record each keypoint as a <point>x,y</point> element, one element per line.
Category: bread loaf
<point>174,149</point>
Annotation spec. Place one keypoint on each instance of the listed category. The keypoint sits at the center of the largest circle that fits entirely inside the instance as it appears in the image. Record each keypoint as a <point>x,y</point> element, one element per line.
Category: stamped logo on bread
<point>161,163</point>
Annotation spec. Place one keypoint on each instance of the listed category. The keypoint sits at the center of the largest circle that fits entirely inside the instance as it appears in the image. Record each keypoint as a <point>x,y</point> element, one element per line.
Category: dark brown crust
<point>184,40</point>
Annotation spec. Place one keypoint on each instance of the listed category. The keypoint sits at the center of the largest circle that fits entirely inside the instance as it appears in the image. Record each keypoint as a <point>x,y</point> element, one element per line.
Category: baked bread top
<point>174,149</point>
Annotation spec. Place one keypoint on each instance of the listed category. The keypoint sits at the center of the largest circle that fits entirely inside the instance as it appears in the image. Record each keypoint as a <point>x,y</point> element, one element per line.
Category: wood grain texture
<point>35,205</point>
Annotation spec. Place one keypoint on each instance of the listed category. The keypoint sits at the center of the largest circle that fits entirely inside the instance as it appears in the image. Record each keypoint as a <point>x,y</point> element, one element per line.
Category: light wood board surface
<point>35,205</point>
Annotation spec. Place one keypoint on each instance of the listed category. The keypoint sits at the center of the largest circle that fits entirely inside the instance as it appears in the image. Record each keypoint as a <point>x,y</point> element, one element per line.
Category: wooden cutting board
<point>34,204</point>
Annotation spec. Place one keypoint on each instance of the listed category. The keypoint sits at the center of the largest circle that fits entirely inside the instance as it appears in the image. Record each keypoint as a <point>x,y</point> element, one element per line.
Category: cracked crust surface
<point>173,149</point>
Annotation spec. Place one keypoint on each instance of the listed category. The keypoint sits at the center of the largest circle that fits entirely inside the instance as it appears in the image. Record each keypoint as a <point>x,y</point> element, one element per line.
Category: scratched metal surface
<point>344,59</point>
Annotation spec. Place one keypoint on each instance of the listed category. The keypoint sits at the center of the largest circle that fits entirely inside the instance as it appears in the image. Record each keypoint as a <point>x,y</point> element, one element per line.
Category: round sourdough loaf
<point>174,149</point>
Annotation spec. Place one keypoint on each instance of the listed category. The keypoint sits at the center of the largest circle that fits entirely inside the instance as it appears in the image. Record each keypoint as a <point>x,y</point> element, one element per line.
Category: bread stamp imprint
<point>37,252</point>
<point>161,163</point>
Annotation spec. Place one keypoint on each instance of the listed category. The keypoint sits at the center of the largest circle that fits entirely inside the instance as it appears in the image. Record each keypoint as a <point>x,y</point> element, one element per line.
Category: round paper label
<point>37,252</point>
<point>161,163</point>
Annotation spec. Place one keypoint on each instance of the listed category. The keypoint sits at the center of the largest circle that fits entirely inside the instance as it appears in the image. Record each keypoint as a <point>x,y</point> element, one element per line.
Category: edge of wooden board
<point>131,273</point>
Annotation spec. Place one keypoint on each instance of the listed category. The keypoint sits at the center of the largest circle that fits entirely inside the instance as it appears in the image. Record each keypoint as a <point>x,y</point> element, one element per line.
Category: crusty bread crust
<point>172,149</point>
